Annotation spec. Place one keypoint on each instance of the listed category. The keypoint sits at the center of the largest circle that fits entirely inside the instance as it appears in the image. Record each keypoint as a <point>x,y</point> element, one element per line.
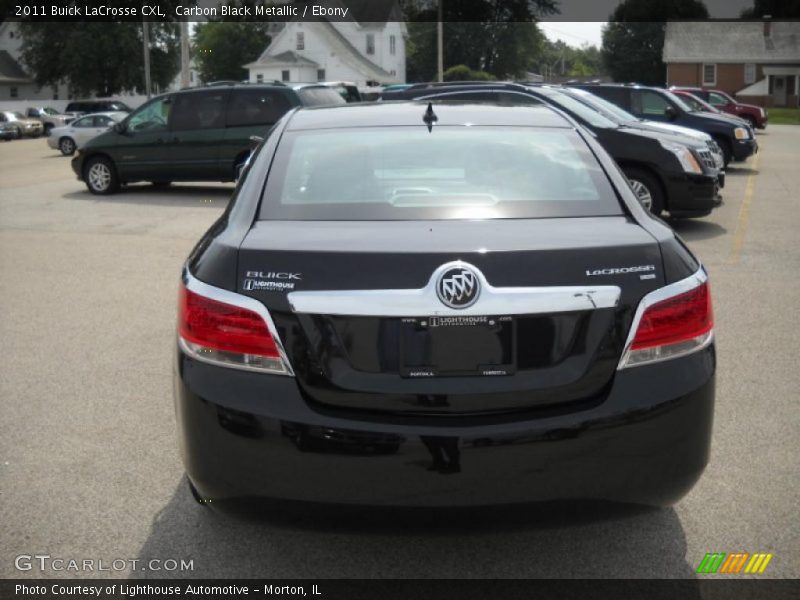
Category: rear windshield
<point>319,96</point>
<point>453,172</point>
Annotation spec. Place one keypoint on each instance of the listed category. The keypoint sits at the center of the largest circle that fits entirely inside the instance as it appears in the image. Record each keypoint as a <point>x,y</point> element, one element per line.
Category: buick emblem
<point>458,287</point>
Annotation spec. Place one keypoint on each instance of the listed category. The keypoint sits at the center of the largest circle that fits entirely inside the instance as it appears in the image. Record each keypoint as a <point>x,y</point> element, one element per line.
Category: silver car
<point>49,117</point>
<point>22,125</point>
<point>74,135</point>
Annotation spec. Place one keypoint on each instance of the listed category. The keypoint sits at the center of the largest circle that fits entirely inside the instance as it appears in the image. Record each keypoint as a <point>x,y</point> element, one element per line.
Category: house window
<point>301,40</point>
<point>709,74</point>
<point>285,75</point>
<point>370,43</point>
<point>13,92</point>
<point>320,74</point>
<point>392,45</point>
<point>749,73</point>
<point>260,78</point>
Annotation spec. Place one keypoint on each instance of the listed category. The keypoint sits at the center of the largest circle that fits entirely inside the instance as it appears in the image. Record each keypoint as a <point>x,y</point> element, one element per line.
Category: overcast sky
<point>573,33</point>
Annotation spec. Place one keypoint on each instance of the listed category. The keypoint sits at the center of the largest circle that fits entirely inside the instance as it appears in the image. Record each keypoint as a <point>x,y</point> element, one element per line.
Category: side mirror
<point>119,128</point>
<point>671,113</point>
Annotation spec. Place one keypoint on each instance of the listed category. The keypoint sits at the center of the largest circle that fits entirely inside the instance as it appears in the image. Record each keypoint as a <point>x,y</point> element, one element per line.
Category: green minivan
<point>197,134</point>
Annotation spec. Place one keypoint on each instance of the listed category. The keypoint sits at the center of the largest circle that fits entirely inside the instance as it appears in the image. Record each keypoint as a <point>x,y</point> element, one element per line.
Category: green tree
<point>633,40</point>
<point>464,73</point>
<point>222,47</point>
<point>560,59</point>
<point>110,60</point>
<point>497,36</point>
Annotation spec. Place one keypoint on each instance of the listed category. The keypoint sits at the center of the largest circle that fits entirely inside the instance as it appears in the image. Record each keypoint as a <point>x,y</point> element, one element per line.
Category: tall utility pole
<point>146,48</point>
<point>184,54</point>
<point>439,45</point>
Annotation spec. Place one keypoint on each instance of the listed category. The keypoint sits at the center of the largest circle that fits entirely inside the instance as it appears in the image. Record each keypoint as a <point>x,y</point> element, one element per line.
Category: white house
<point>365,53</point>
<point>15,82</point>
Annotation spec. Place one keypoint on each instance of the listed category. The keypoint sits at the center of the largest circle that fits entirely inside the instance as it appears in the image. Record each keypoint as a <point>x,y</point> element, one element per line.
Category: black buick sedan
<point>442,304</point>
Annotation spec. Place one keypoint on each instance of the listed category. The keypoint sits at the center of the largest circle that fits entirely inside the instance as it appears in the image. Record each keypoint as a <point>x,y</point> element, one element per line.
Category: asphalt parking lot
<point>89,465</point>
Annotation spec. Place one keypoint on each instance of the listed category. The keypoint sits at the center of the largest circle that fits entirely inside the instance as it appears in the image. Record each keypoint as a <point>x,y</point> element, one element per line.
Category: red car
<point>756,115</point>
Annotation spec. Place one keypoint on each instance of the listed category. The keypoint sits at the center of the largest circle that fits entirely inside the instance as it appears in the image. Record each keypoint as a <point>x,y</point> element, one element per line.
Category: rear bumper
<point>246,436</point>
<point>690,195</point>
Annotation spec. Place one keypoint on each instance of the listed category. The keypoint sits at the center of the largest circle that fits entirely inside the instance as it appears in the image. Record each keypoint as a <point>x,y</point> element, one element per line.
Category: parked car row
<point>15,125</point>
<point>721,101</point>
<point>668,169</point>
<point>671,164</point>
<point>42,120</point>
<point>673,154</point>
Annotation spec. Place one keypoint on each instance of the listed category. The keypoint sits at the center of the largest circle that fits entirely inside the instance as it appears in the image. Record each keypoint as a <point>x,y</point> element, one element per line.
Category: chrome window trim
<point>209,291</point>
<point>694,280</point>
<point>424,302</point>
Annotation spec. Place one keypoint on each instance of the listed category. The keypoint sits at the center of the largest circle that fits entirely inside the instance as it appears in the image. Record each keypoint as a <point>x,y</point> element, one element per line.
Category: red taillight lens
<point>672,327</point>
<point>676,319</point>
<point>221,326</point>
<point>226,334</point>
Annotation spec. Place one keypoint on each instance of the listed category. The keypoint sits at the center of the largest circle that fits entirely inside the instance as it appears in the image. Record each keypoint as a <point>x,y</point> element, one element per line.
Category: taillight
<point>227,329</point>
<point>671,322</point>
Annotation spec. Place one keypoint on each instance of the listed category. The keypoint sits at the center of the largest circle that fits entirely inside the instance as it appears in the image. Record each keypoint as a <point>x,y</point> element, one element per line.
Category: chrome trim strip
<point>209,291</point>
<point>424,302</point>
<point>694,280</point>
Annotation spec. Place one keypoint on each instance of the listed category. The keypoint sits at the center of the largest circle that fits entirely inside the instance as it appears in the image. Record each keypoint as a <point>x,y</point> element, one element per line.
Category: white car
<point>72,136</point>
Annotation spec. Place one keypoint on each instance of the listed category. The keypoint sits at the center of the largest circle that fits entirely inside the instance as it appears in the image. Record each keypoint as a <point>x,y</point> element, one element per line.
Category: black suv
<point>667,171</point>
<point>84,107</point>
<point>736,139</point>
<point>197,134</point>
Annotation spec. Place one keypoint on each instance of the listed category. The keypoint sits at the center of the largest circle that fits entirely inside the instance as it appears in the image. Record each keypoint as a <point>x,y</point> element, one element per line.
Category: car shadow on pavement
<point>534,541</point>
<point>740,171</point>
<point>693,230</point>
<point>174,195</point>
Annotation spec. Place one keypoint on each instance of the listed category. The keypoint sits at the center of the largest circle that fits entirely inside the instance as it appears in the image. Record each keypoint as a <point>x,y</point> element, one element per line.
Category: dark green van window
<point>256,107</point>
<point>198,110</point>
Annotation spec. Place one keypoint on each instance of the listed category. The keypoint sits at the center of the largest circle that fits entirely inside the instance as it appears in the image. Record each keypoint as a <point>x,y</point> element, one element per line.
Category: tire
<point>752,121</point>
<point>100,176</point>
<point>161,184</point>
<point>727,150</point>
<point>647,189</point>
<point>48,127</point>
<point>67,146</point>
<point>18,134</point>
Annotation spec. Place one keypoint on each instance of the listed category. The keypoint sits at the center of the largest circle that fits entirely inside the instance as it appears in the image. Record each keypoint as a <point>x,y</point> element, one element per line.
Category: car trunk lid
<point>360,311</point>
